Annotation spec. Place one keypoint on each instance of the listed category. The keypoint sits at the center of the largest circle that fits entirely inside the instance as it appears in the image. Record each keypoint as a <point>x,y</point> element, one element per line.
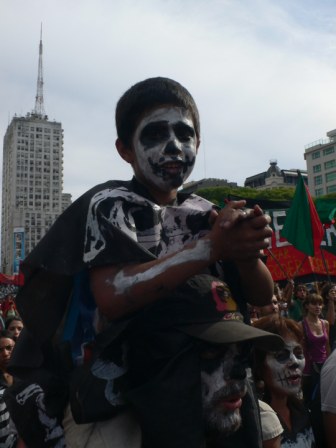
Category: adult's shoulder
<point>270,423</point>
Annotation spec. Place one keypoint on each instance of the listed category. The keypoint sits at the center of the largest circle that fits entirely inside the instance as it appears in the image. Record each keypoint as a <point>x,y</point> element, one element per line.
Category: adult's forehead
<point>4,340</point>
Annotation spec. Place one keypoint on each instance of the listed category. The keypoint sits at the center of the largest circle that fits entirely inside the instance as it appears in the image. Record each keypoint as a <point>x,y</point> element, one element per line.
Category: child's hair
<point>147,95</point>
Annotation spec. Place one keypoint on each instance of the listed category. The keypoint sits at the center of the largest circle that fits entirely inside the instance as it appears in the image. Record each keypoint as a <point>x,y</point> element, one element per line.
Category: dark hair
<point>6,334</point>
<point>300,286</point>
<point>147,95</point>
<point>325,290</point>
<point>11,319</point>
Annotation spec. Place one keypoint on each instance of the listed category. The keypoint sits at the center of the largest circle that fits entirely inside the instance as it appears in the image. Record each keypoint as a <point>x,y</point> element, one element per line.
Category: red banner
<point>16,279</point>
<point>288,262</point>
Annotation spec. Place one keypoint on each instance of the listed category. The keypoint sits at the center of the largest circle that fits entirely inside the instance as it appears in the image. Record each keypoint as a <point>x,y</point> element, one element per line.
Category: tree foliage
<point>217,195</point>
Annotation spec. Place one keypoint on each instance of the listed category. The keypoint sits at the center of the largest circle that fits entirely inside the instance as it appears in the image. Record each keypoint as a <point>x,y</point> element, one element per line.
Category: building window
<point>317,180</point>
<point>330,164</point>
<point>331,189</point>
<point>319,192</point>
<point>328,151</point>
<point>316,168</point>
<point>331,176</point>
<point>316,155</point>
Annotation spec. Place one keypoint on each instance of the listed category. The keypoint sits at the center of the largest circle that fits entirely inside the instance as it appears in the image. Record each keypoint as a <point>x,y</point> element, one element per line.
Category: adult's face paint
<point>283,369</point>
<point>223,376</point>
<point>165,145</point>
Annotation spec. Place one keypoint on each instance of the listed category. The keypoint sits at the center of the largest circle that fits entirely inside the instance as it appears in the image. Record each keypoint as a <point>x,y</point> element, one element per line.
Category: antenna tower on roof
<point>39,103</point>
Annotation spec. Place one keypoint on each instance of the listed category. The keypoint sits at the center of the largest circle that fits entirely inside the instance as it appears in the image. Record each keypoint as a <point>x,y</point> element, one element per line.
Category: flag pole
<point>300,266</point>
<point>325,265</point>
<point>278,263</point>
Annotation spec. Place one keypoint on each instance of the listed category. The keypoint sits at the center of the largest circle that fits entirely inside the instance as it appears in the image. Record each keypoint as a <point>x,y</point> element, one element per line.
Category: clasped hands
<point>240,234</point>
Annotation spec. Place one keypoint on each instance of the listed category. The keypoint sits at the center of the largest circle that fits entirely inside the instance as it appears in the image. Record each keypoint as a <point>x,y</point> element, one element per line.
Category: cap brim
<point>229,332</point>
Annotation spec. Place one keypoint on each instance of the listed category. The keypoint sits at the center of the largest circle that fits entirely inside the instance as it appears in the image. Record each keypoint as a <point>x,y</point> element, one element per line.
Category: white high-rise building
<point>32,181</point>
<point>321,165</point>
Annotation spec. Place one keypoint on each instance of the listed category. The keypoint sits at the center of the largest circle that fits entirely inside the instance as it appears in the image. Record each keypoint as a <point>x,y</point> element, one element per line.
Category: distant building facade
<point>274,177</point>
<point>192,186</point>
<point>32,181</point>
<point>320,157</point>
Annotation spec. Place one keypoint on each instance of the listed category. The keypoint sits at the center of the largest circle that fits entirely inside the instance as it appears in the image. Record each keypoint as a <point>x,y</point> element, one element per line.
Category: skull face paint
<point>223,376</point>
<point>284,368</point>
<point>165,145</point>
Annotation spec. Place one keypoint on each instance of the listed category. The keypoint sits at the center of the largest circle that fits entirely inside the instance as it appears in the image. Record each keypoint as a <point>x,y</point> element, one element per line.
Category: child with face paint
<point>126,245</point>
<point>280,372</point>
<point>159,136</point>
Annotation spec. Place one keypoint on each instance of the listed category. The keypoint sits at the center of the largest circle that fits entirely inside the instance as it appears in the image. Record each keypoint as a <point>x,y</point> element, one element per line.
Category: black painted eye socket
<point>154,133</point>
<point>209,351</point>
<point>211,356</point>
<point>284,355</point>
<point>158,132</point>
<point>183,132</point>
<point>213,351</point>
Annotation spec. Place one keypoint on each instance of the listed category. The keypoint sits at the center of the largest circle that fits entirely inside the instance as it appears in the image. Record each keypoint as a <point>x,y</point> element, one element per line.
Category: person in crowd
<point>2,321</point>
<point>9,437</point>
<point>200,352</point>
<point>14,325</point>
<point>280,373</point>
<point>127,245</point>
<point>270,426</point>
<point>10,308</point>
<point>283,305</point>
<point>328,292</point>
<point>295,294</point>
<point>316,343</point>
<point>328,399</point>
<point>272,308</point>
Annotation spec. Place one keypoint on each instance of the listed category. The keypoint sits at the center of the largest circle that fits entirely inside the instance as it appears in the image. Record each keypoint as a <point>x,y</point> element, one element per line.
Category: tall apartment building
<point>32,180</point>
<point>320,157</point>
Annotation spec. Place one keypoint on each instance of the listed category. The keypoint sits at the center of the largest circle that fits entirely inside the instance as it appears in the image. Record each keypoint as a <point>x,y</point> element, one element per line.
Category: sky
<point>262,72</point>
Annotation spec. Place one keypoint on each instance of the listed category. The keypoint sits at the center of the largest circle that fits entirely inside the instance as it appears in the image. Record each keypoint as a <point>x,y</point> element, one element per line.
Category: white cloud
<point>262,73</point>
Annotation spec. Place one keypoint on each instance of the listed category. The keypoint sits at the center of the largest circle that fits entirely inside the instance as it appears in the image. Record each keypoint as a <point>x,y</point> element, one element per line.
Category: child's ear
<point>124,151</point>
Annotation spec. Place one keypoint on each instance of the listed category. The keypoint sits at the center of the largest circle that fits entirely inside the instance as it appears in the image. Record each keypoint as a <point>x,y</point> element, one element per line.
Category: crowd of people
<point>148,317</point>
<point>287,380</point>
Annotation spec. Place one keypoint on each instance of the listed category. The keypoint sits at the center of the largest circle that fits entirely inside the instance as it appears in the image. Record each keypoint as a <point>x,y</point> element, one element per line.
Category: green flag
<point>302,226</point>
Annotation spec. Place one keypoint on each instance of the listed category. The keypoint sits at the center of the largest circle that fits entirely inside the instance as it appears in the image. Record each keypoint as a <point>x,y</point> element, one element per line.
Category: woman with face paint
<point>281,372</point>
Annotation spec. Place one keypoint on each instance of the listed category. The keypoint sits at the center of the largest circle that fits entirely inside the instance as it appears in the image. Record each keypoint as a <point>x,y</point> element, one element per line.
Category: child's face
<point>165,145</point>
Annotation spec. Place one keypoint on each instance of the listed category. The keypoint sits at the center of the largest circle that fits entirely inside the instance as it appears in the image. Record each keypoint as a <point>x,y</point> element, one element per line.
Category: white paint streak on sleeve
<point>122,282</point>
